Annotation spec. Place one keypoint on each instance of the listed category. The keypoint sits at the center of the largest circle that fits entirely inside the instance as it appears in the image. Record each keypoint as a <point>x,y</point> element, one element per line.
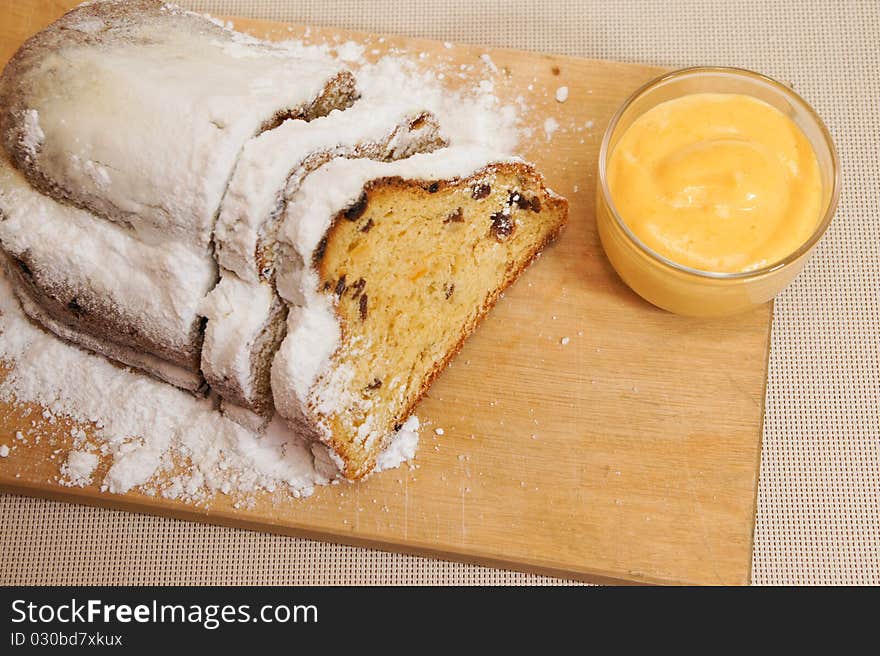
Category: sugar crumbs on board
<point>78,469</point>
<point>155,437</point>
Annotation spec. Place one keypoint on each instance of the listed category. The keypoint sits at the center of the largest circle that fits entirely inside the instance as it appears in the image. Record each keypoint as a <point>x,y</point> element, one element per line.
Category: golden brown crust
<point>467,331</point>
<point>340,92</point>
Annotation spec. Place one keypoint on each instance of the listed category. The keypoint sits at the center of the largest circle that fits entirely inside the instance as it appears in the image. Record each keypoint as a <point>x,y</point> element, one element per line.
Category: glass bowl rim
<point>787,91</point>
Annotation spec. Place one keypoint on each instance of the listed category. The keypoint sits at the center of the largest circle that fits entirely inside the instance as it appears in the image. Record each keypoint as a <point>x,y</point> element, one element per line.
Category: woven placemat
<point>819,497</point>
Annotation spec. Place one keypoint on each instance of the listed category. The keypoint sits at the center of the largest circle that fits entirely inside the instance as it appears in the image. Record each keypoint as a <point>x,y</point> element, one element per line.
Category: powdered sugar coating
<point>313,334</point>
<point>156,288</point>
<point>196,93</point>
<point>236,311</point>
<point>471,115</point>
<point>33,135</point>
<point>402,447</point>
<point>183,377</point>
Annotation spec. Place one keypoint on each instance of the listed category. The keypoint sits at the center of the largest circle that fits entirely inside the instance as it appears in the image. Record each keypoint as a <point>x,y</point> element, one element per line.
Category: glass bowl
<point>679,288</point>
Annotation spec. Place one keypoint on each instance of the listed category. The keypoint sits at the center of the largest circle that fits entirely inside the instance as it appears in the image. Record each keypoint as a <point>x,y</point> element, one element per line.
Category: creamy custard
<point>718,182</point>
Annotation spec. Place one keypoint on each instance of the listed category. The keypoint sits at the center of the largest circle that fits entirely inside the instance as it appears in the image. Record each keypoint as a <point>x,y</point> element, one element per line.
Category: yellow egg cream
<point>717,182</point>
<point>711,195</point>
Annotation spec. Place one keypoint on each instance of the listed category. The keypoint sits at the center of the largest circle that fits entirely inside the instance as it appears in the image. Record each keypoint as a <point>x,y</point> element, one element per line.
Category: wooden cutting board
<point>629,452</point>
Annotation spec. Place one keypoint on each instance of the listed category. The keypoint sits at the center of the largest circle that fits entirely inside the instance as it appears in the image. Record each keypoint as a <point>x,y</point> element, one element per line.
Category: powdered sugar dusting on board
<point>154,436</point>
<point>473,115</point>
<point>79,468</point>
<point>469,114</point>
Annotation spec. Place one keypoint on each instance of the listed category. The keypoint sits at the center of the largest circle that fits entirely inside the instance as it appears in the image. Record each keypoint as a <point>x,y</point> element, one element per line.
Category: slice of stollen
<point>387,268</point>
<point>137,111</point>
<point>246,320</point>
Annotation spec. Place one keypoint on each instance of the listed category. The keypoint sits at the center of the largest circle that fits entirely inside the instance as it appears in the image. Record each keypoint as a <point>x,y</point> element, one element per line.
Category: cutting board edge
<point>760,455</point>
<point>84,497</point>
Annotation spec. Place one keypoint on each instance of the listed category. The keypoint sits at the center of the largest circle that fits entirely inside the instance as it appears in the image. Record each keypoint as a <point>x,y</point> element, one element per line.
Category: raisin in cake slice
<point>246,320</point>
<point>387,268</point>
<point>137,110</point>
<point>97,285</point>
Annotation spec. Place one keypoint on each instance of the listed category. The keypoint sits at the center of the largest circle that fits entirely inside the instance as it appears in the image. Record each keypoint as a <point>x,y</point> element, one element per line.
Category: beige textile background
<point>819,499</point>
